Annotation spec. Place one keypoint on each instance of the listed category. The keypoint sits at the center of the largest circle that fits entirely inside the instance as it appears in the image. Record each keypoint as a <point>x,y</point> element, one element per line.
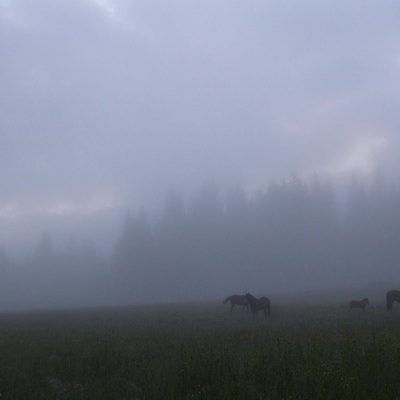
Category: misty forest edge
<point>295,235</point>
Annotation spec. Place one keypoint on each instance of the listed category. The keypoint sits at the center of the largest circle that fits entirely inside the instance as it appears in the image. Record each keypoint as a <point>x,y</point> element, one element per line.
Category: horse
<point>392,296</point>
<point>263,303</point>
<point>359,303</point>
<point>237,299</point>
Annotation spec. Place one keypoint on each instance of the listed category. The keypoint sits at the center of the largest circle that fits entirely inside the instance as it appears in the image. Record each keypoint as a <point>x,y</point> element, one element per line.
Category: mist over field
<point>291,238</point>
<point>175,151</point>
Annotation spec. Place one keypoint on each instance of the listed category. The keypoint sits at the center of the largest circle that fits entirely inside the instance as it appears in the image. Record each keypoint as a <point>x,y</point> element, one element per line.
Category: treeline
<point>74,275</point>
<point>293,235</point>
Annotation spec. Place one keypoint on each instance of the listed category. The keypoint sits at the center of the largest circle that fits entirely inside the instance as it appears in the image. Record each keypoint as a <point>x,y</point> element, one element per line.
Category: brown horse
<point>391,297</point>
<point>359,303</point>
<point>262,303</point>
<point>237,299</point>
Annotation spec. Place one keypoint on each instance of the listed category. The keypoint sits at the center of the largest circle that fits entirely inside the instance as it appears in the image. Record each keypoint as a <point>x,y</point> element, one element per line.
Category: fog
<point>185,150</point>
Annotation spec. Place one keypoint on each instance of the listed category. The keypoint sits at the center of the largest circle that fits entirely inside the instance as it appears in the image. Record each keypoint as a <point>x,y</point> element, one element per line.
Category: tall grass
<point>201,351</point>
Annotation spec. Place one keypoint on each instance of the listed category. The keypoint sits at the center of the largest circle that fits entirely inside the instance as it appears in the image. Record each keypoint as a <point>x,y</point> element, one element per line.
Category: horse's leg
<point>232,304</point>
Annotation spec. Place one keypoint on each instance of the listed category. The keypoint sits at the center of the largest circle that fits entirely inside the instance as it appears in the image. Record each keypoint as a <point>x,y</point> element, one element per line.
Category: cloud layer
<point>121,100</point>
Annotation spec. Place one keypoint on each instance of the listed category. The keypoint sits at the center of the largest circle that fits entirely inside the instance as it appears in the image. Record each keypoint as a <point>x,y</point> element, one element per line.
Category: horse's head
<point>366,300</point>
<point>249,297</point>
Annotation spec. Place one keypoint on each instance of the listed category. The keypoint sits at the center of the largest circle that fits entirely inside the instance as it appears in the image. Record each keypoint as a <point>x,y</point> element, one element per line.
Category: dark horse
<point>262,303</point>
<point>359,303</point>
<point>237,299</point>
<point>392,296</point>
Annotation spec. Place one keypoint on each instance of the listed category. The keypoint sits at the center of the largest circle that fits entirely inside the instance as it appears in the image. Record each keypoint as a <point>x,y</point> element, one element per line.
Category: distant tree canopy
<point>52,277</point>
<point>294,233</point>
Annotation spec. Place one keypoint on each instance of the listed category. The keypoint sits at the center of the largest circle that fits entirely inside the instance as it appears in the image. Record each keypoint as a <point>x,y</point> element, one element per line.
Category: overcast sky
<point>108,103</point>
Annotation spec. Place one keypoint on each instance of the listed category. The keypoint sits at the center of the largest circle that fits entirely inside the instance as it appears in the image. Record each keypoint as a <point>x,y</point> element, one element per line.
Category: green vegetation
<point>201,351</point>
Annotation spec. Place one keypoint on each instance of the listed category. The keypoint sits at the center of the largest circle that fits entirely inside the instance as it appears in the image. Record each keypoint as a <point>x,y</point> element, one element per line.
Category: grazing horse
<point>359,303</point>
<point>237,299</point>
<point>392,296</point>
<point>262,303</point>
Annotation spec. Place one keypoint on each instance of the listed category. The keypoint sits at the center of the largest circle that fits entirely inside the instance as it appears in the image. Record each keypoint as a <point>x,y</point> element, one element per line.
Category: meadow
<point>201,351</point>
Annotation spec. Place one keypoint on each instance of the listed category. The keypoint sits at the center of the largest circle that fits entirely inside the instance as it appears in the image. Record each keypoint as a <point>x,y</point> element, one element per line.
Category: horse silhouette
<point>237,299</point>
<point>359,303</point>
<point>391,297</point>
<point>263,303</point>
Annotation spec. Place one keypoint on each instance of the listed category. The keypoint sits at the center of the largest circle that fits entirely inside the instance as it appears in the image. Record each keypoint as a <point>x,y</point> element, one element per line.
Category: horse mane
<point>249,295</point>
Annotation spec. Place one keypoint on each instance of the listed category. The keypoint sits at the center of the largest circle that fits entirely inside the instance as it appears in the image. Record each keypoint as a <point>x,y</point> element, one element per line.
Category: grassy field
<point>201,351</point>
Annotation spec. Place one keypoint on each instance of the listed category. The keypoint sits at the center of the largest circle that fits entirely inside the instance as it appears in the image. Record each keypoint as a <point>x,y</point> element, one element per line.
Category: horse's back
<point>265,300</point>
<point>238,298</point>
<point>393,294</point>
<point>359,303</point>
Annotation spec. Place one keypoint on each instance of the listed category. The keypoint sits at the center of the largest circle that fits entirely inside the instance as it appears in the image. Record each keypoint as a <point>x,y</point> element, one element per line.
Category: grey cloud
<point>172,94</point>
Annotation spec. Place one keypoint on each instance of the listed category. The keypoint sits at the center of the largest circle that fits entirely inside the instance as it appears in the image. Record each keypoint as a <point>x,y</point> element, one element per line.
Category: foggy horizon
<point>108,107</point>
<point>292,238</point>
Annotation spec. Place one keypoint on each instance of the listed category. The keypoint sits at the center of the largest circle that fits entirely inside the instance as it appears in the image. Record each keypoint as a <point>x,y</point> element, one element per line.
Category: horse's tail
<point>226,300</point>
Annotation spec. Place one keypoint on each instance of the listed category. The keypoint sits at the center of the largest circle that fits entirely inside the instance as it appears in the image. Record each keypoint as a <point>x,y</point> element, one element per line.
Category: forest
<point>293,236</point>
